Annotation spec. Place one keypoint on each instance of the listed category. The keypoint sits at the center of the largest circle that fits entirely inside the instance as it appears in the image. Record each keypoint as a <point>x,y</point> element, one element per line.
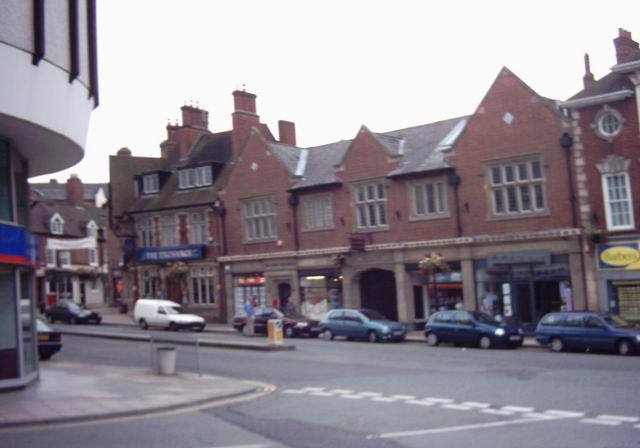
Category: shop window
<point>516,188</point>
<point>259,220</point>
<point>317,212</point>
<point>6,199</point>
<point>202,285</point>
<point>370,206</point>
<point>149,284</point>
<point>319,294</point>
<point>8,325</point>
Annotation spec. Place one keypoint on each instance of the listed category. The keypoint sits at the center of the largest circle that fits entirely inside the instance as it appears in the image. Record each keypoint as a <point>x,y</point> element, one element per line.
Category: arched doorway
<point>284,293</point>
<point>378,292</point>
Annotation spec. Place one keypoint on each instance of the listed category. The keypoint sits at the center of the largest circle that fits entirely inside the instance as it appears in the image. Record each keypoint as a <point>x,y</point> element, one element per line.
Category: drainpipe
<point>220,211</point>
<point>293,202</point>
<point>454,181</point>
<point>566,142</point>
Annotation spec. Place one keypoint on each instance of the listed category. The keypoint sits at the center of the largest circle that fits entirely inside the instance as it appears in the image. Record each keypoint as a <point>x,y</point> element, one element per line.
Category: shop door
<point>378,292</point>
<point>523,301</point>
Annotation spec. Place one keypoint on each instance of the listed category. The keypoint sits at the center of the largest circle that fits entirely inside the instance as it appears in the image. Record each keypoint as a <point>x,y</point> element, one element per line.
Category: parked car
<point>49,340</point>
<point>361,324</point>
<point>293,324</point>
<point>588,331</point>
<point>70,312</point>
<point>165,314</point>
<point>471,328</point>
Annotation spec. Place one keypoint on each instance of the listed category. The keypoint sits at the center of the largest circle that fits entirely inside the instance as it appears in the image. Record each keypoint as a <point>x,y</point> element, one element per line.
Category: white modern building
<point>48,88</point>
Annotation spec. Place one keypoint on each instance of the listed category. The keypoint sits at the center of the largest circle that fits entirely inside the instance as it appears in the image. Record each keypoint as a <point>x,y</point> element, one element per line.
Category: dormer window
<point>194,177</point>
<point>150,183</point>
<point>92,229</point>
<point>56,224</point>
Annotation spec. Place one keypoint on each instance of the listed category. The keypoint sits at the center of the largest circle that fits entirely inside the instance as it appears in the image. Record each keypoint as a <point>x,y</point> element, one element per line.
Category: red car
<point>292,324</point>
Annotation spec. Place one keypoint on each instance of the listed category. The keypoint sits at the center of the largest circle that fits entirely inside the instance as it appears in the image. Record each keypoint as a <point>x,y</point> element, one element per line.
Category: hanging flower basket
<point>433,262</point>
<point>179,268</point>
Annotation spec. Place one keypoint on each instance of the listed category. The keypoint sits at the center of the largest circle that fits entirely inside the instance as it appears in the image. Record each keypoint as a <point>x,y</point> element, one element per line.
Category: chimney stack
<point>626,47</point>
<point>244,101</point>
<point>287,132</point>
<point>195,117</point>
<point>587,79</point>
<point>243,118</point>
<point>75,190</point>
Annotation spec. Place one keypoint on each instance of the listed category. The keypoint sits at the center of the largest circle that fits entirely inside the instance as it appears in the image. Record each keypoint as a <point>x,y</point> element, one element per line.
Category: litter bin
<point>166,360</point>
<point>274,331</point>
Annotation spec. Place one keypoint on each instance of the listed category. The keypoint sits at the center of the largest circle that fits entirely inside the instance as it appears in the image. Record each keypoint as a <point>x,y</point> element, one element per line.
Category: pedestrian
<point>248,309</point>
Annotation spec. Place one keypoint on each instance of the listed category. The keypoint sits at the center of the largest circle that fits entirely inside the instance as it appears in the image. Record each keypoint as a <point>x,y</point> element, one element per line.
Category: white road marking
<point>439,400</point>
<point>294,391</point>
<point>384,399</point>
<point>420,402</point>
<point>370,394</point>
<point>351,396</point>
<point>422,432</point>
<point>475,404</point>
<point>456,407</point>
<point>256,445</point>
<point>561,413</point>
<point>596,421</point>
<point>403,397</point>
<point>620,418</point>
<point>341,391</point>
<point>517,409</point>
<point>313,389</point>
<point>496,412</point>
<point>321,394</point>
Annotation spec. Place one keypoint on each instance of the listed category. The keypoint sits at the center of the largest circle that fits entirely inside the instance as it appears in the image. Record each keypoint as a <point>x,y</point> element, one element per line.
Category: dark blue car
<point>471,328</point>
<point>588,331</point>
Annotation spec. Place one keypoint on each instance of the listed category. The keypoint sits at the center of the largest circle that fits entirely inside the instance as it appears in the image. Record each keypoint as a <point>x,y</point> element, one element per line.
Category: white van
<point>164,314</point>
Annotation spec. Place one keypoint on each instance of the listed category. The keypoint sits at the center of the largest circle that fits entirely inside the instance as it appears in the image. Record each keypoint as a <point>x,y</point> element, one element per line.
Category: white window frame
<point>56,224</point>
<point>317,212</point>
<point>202,285</point>
<point>183,179</point>
<point>146,234</point>
<point>150,183</point>
<point>51,257</point>
<point>429,206</point>
<point>259,220</point>
<point>93,257</point>
<point>92,229</point>
<point>604,118</point>
<point>149,284</point>
<point>65,258</point>
<point>198,233</point>
<point>168,229</point>
<point>518,192</point>
<point>370,205</point>
<point>626,202</point>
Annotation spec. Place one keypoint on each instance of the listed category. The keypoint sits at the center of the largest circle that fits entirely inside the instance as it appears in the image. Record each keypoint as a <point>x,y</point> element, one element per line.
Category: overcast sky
<point>331,66</point>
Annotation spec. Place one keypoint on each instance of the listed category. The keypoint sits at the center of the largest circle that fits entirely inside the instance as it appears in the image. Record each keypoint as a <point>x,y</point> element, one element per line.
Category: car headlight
<point>520,331</point>
<point>385,329</point>
<point>499,332</point>
<point>301,324</point>
<point>638,337</point>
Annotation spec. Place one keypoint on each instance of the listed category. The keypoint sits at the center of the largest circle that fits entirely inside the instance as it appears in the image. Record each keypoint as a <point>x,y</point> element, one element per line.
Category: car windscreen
<point>373,315</point>
<point>72,306</point>
<point>616,321</point>
<point>172,309</point>
<point>484,318</point>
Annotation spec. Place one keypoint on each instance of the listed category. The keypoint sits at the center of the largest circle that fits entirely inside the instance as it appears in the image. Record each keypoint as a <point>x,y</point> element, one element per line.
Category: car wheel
<point>624,348</point>
<point>557,345</point>
<point>45,357</point>
<point>372,336</point>
<point>432,339</point>
<point>288,332</point>
<point>485,342</point>
<point>173,326</point>
<point>51,319</point>
<point>143,324</point>
<point>327,334</point>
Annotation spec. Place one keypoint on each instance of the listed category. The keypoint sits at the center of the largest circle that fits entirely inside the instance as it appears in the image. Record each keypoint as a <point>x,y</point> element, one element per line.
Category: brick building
<point>605,145</point>
<point>70,234</point>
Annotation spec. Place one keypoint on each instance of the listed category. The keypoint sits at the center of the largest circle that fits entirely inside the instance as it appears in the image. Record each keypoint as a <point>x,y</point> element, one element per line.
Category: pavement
<point>70,392</point>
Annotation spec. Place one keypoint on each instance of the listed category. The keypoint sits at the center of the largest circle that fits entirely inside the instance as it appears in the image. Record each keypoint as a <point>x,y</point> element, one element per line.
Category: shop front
<point>248,287</point>
<point>436,290</point>
<point>320,291</point>
<point>618,278</point>
<point>523,286</point>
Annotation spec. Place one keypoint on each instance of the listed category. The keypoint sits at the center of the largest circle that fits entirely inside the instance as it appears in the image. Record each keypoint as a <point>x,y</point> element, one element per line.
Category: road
<point>358,394</point>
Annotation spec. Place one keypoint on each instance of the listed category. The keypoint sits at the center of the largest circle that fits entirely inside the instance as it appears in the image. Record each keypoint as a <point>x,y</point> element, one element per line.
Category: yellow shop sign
<point>620,256</point>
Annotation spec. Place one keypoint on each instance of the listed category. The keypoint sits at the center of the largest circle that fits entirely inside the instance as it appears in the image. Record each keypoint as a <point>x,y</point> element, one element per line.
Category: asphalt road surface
<point>358,394</point>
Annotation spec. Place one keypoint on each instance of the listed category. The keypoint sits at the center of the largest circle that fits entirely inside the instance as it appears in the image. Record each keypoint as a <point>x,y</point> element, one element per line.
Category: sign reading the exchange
<point>188,252</point>
<point>624,256</point>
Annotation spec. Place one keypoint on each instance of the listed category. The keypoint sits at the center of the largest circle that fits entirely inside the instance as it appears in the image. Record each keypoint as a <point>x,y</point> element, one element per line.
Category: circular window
<point>608,123</point>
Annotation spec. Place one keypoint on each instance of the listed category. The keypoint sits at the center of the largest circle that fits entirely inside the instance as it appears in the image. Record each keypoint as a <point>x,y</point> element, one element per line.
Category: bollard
<point>166,360</point>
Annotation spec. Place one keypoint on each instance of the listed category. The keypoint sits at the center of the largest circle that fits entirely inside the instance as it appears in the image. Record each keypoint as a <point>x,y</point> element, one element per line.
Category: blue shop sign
<point>17,246</point>
<point>187,252</point>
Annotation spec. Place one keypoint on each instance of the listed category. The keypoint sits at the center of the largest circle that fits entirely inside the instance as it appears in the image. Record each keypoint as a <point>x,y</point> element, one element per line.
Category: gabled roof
<point>613,82</point>
<point>209,148</point>
<point>75,218</point>
<point>57,191</point>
